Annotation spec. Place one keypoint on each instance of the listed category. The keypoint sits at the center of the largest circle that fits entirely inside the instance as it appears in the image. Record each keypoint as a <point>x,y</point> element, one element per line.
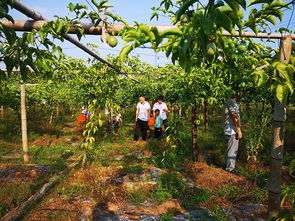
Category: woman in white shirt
<point>143,109</point>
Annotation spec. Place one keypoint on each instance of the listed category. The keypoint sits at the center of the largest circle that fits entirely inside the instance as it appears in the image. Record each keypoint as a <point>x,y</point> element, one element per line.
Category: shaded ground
<point>127,181</point>
<point>122,187</point>
<point>49,154</point>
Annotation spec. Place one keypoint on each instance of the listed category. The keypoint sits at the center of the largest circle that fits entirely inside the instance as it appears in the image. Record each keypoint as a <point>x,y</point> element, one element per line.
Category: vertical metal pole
<point>24,123</point>
<point>279,118</point>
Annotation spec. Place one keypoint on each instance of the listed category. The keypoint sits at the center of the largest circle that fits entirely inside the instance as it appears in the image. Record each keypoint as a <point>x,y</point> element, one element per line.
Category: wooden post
<point>24,123</point>
<point>279,118</point>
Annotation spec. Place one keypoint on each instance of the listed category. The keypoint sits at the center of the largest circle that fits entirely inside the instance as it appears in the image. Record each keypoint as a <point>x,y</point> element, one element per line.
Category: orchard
<point>69,126</point>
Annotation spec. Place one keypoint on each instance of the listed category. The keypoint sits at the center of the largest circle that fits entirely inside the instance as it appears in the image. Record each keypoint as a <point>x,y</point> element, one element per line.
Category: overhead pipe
<point>114,29</point>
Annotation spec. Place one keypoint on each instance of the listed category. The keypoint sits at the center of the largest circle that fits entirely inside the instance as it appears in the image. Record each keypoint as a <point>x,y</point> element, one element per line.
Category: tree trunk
<point>195,152</point>
<point>279,118</point>
<point>206,115</point>
<point>24,123</point>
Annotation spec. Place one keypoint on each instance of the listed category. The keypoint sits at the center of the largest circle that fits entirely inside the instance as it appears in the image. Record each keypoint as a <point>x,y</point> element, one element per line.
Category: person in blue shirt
<point>158,124</point>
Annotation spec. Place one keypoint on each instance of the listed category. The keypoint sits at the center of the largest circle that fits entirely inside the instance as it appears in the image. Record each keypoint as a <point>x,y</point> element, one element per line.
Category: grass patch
<point>133,170</point>
<point>166,217</point>
<point>52,216</point>
<point>230,193</point>
<point>173,185</point>
<point>76,189</point>
<point>160,194</point>
<point>137,196</point>
<point>14,194</point>
<point>53,156</point>
<point>218,214</point>
<point>235,194</point>
<point>260,178</point>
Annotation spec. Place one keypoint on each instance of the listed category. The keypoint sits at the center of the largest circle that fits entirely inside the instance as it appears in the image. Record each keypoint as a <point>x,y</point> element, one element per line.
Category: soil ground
<point>125,182</point>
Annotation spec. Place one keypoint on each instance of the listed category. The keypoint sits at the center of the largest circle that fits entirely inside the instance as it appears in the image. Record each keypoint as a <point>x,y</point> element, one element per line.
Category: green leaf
<point>224,21</point>
<point>71,7</point>
<point>207,25</point>
<point>125,51</point>
<point>271,19</point>
<point>154,15</point>
<point>174,31</point>
<point>282,92</point>
<point>254,2</point>
<point>186,4</point>
<point>260,77</point>
<point>242,3</point>
<point>99,5</point>
<point>233,4</point>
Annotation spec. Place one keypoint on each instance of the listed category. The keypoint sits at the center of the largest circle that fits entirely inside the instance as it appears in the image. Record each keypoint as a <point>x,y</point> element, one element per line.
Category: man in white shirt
<point>163,110</point>
<point>143,109</point>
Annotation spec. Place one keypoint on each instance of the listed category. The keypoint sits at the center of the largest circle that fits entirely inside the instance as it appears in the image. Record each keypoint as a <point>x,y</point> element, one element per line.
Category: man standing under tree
<point>160,105</point>
<point>233,132</point>
<point>143,109</point>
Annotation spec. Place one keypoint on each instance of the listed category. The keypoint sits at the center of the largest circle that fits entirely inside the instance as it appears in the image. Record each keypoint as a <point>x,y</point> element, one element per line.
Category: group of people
<point>157,117</point>
<point>147,117</point>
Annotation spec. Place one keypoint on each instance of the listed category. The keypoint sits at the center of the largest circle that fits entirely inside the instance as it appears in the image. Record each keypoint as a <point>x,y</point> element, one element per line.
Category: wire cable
<point>291,15</point>
<point>90,5</point>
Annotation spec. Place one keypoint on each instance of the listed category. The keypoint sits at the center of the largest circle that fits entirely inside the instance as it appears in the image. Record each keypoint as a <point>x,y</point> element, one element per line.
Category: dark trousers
<point>158,132</point>
<point>140,129</point>
<point>165,123</point>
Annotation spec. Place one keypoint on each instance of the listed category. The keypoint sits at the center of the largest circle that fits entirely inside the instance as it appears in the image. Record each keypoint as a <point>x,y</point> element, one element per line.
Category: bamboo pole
<point>24,123</point>
<point>114,29</point>
<point>279,118</point>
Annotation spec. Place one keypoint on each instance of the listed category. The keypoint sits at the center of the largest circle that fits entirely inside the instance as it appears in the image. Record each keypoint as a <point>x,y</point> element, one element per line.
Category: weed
<point>259,177</point>
<point>56,216</point>
<point>166,217</point>
<point>160,194</point>
<point>134,170</point>
<point>76,189</point>
<point>174,183</point>
<point>13,194</point>
<point>235,194</point>
<point>136,196</point>
<point>197,195</point>
<point>218,214</point>
<point>257,195</point>
<point>230,193</point>
<point>126,151</point>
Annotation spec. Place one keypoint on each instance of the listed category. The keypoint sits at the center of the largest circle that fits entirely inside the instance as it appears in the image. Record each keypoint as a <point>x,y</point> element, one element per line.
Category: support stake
<point>24,123</point>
